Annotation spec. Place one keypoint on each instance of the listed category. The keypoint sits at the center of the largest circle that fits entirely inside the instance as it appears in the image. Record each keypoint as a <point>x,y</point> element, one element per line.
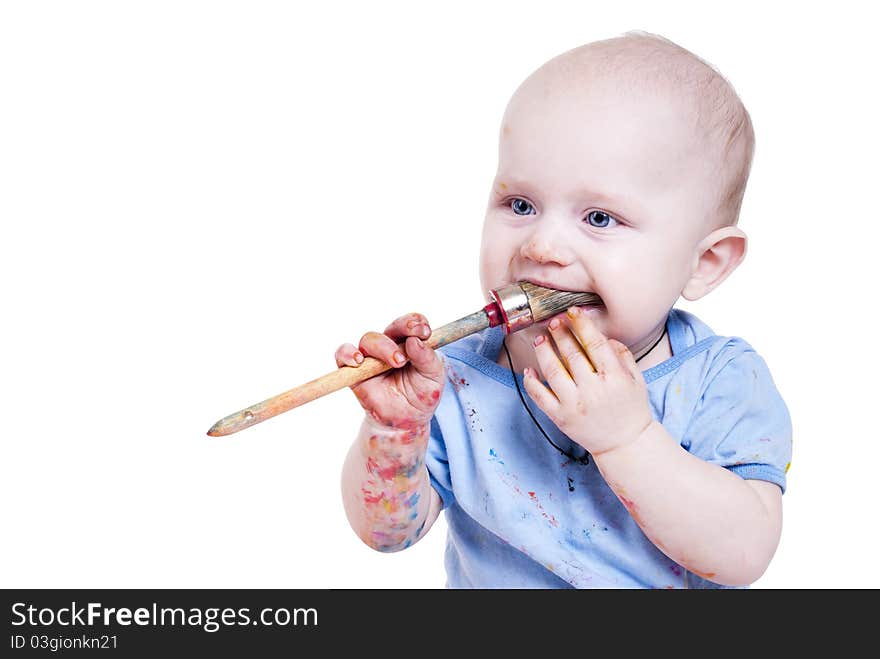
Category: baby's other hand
<point>597,394</point>
<point>407,395</point>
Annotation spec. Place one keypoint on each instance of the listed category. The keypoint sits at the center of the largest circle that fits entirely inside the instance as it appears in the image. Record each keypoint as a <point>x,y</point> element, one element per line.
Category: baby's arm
<point>704,517</point>
<point>701,515</point>
<point>386,489</point>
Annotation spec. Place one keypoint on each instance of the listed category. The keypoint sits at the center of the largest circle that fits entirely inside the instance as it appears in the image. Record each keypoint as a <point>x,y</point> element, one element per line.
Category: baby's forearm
<point>701,515</point>
<point>385,486</point>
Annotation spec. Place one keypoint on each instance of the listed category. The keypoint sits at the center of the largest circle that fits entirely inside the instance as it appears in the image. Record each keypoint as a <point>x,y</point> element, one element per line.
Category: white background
<point>201,200</point>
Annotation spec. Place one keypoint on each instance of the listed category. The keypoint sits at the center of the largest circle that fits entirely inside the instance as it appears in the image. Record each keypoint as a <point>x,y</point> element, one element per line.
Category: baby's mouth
<point>547,284</point>
<point>598,303</point>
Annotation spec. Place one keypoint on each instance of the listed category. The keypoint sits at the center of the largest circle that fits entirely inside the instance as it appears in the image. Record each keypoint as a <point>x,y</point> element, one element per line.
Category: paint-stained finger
<point>382,347</point>
<point>348,355</point>
<point>544,397</point>
<point>424,359</point>
<point>626,359</point>
<point>555,373</point>
<point>595,344</point>
<point>570,351</point>
<point>412,324</point>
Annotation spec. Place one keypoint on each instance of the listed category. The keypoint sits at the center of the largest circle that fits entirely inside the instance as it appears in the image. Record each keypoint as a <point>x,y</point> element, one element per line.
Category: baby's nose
<point>545,246</point>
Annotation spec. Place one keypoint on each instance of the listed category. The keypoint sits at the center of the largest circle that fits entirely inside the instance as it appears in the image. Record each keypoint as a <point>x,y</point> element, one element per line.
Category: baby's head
<point>622,167</point>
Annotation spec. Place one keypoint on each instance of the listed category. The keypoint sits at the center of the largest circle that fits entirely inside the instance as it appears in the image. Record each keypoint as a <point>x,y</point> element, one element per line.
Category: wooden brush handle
<point>516,306</point>
<point>344,376</point>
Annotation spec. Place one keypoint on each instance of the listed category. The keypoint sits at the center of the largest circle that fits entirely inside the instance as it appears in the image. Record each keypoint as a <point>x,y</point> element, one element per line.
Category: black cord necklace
<point>585,458</point>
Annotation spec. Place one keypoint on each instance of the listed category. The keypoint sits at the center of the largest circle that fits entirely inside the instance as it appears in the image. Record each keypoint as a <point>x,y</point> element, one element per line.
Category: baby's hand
<point>600,408</point>
<point>406,396</point>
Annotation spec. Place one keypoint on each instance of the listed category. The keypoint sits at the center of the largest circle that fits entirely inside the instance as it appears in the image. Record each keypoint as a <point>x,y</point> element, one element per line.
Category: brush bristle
<point>547,302</point>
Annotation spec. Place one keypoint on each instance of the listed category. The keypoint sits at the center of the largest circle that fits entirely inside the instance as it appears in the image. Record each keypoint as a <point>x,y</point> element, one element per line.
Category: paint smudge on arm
<point>394,483</point>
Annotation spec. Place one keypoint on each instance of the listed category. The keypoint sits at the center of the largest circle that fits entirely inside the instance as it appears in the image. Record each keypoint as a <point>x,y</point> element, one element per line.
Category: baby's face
<point>602,191</point>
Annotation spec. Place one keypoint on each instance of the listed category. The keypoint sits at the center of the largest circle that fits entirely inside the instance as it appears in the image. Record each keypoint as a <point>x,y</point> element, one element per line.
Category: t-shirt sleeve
<point>742,423</point>
<point>438,465</point>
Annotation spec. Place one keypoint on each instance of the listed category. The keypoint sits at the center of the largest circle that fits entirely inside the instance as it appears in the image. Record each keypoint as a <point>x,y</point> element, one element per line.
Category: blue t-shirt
<point>521,515</point>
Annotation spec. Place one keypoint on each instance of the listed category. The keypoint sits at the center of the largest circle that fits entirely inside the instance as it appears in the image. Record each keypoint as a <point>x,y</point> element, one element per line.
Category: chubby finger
<point>412,324</point>
<point>348,355</point>
<point>543,397</point>
<point>570,351</point>
<point>627,360</point>
<point>554,371</point>
<point>594,343</point>
<point>424,359</point>
<point>382,347</point>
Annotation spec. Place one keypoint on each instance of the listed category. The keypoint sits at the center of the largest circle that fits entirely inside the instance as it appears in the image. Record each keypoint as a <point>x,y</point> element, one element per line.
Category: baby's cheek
<point>632,314</point>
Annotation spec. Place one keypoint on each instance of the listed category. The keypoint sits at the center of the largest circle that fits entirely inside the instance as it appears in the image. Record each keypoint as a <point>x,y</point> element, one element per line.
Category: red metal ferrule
<point>493,311</point>
<point>513,305</point>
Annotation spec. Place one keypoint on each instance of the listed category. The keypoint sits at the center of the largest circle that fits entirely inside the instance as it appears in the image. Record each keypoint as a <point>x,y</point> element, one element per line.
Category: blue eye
<point>521,207</point>
<point>600,219</point>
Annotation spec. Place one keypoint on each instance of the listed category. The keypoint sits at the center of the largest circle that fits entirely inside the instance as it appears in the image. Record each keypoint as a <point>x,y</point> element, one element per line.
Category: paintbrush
<point>515,307</point>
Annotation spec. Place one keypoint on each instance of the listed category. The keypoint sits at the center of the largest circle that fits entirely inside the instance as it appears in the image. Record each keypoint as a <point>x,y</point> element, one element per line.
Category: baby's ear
<point>717,255</point>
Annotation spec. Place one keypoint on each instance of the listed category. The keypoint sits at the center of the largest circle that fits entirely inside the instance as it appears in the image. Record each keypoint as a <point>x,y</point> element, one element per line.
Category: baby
<point>648,452</point>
